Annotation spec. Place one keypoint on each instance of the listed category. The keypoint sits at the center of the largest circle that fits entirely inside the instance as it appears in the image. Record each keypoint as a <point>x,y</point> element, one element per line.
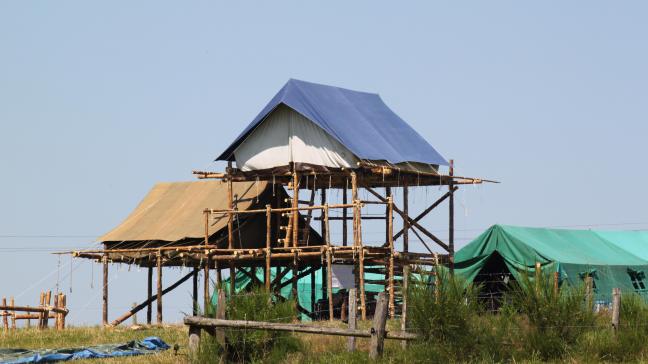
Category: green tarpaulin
<point>615,259</point>
<point>304,286</point>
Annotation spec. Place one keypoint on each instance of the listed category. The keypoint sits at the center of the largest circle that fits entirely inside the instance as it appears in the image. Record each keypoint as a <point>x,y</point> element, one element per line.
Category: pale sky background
<point>99,101</point>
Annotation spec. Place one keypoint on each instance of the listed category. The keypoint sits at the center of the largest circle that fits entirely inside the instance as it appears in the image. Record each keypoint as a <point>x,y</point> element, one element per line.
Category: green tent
<point>614,259</point>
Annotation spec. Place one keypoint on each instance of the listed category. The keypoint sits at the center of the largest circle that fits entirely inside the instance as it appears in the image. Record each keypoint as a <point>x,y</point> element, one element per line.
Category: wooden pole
<point>230,227</point>
<point>268,252</point>
<point>104,311</point>
<point>329,270</point>
<point>406,267</point>
<point>206,283</point>
<point>5,320</point>
<point>390,240</point>
<point>616,308</point>
<point>41,323</point>
<point>353,311</point>
<point>323,230</point>
<point>451,229</point>
<point>377,342</point>
<point>588,292</point>
<point>194,287</point>
<point>220,314</point>
<point>135,314</point>
<point>194,339</point>
<point>149,295</point>
<point>556,282</point>
<point>295,215</point>
<point>159,289</point>
<point>345,231</point>
<point>56,314</point>
<point>357,243</point>
<point>64,314</point>
<point>48,300</point>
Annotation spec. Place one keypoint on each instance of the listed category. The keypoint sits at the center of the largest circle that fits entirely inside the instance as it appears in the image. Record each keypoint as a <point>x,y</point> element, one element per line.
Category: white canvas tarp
<point>286,136</point>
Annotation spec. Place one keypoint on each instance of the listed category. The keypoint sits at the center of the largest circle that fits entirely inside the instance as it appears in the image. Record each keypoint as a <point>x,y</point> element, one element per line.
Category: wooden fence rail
<point>377,333</point>
<point>42,313</point>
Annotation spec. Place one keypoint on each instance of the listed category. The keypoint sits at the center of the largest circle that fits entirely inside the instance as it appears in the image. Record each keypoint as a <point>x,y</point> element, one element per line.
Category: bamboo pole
<point>295,205</point>
<point>64,314</point>
<point>56,315</point>
<point>323,230</point>
<point>451,229</point>
<point>406,267</point>
<point>5,320</point>
<point>390,241</point>
<point>149,294</point>
<point>345,232</point>
<point>206,282</point>
<point>329,270</point>
<point>104,310</point>
<point>230,226</point>
<point>159,289</point>
<point>268,244</point>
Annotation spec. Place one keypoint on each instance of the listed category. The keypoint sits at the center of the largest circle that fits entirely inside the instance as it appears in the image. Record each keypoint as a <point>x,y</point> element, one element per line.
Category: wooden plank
<point>377,342</point>
<point>353,311</point>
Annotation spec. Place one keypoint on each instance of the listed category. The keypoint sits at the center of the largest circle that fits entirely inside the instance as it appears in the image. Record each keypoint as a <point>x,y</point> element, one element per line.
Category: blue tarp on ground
<point>359,120</point>
<point>148,345</point>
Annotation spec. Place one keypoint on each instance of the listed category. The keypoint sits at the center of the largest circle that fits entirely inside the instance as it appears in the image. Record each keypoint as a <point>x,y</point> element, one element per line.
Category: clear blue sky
<point>99,101</point>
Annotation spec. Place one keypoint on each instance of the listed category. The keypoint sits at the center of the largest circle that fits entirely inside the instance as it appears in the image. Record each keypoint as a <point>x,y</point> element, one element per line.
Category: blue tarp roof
<point>360,121</point>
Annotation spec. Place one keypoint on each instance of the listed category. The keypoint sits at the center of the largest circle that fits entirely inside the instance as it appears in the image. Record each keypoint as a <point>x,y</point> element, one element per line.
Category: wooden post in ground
<point>63,301</point>
<point>403,322</point>
<point>616,308</point>
<point>323,230</point>
<point>135,314</point>
<point>194,339</point>
<point>390,240</point>
<point>104,311</point>
<point>329,270</point>
<point>345,216</point>
<point>268,267</point>
<point>357,244</point>
<point>556,282</point>
<point>589,301</point>
<point>149,294</point>
<point>230,226</point>
<point>13,316</point>
<point>56,314</point>
<point>159,288</point>
<point>377,342</point>
<point>41,303</point>
<point>353,311</point>
<point>406,268</point>
<point>206,291</point>
<point>220,314</point>
<point>5,320</point>
<point>48,300</point>
<point>451,217</point>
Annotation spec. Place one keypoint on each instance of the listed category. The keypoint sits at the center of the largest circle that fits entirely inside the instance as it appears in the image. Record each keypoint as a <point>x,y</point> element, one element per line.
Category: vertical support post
<point>63,315</point>
<point>406,267</point>
<point>56,314</point>
<point>104,310</point>
<point>323,230</point>
<point>451,229</point>
<point>134,314</point>
<point>41,324</point>
<point>5,320</point>
<point>329,271</point>
<point>353,311</point>
<point>377,342</point>
<point>616,308</point>
<point>589,301</point>
<point>345,215</point>
<point>268,245</point>
<point>194,298</point>
<point>538,276</point>
<point>13,313</point>
<point>295,205</point>
<point>194,339</point>
<point>230,225</point>
<point>159,288</point>
<point>149,294</point>
<point>390,240</point>
<point>556,282</point>
<point>220,314</point>
<point>48,300</point>
<point>406,272</point>
<point>206,282</point>
<point>357,244</point>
